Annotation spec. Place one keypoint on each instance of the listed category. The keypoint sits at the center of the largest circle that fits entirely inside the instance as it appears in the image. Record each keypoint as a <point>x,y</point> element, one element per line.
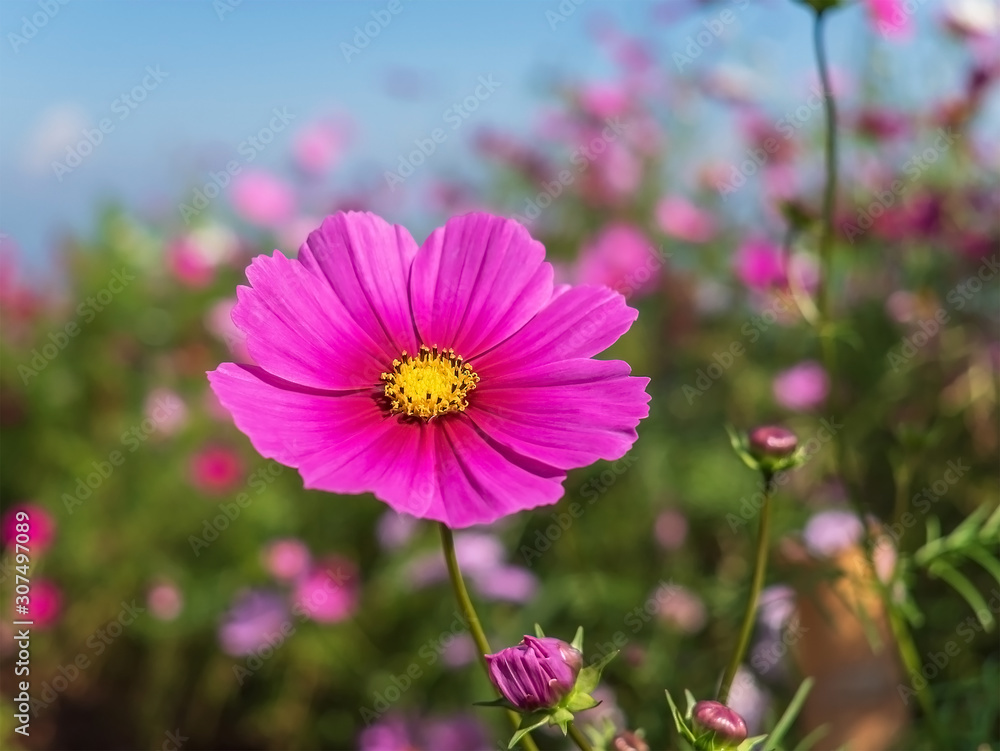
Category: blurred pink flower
<point>394,530</point>
<point>802,387</point>
<point>329,592</point>
<point>889,18</point>
<point>40,526</point>
<point>164,601</point>
<point>215,470</point>
<point>671,529</point>
<point>748,699</point>
<point>286,559</point>
<point>317,146</point>
<point>459,650</point>
<point>396,732</point>
<point>46,603</point>
<point>620,257</point>
<point>295,231</point>
<point>263,199</point>
<point>760,264</point>
<point>219,322</point>
<point>193,257</point>
<point>507,584</point>
<point>681,608</point>
<point>603,100</point>
<point>680,218</point>
<point>830,532</point>
<point>256,619</point>
<point>166,410</point>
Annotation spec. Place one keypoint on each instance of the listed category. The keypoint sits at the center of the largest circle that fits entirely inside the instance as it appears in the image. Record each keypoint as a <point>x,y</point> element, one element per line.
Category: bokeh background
<point>187,593</point>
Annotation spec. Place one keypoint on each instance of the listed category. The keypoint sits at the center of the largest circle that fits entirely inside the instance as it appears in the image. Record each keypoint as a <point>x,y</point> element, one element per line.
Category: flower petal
<point>298,330</point>
<point>476,281</point>
<point>367,262</point>
<point>566,414</point>
<point>577,322</point>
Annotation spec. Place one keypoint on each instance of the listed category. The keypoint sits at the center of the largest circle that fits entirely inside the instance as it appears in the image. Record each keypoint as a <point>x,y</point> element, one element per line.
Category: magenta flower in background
<point>262,198</point>
<point>254,620</point>
<point>680,218</point>
<point>216,470</point>
<point>219,322</point>
<point>329,592</point>
<point>46,603</point>
<point>829,532</point>
<point>317,146</point>
<point>41,527</point>
<point>889,18</point>
<point>760,264</point>
<point>395,530</point>
<point>166,410</point>
<point>394,732</point>
<point>194,257</point>
<point>681,608</point>
<point>165,601</point>
<point>802,387</point>
<point>671,529</point>
<point>286,559</point>
<point>452,380</point>
<point>535,674</point>
<point>621,257</point>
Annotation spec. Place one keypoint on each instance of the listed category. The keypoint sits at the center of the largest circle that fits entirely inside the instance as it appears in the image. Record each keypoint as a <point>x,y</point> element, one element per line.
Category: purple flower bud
<point>772,442</point>
<point>535,674</point>
<point>711,716</point>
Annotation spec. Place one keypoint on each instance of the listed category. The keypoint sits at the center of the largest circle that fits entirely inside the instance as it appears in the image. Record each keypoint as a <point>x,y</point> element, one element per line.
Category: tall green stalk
<point>756,585</point>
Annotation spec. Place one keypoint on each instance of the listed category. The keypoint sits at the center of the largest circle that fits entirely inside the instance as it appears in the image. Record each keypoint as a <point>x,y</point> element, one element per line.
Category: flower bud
<point>713,717</point>
<point>770,442</point>
<point>537,673</point>
<point>628,741</point>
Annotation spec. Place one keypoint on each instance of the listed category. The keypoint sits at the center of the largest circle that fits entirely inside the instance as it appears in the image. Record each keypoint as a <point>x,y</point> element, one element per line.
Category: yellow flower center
<point>431,384</point>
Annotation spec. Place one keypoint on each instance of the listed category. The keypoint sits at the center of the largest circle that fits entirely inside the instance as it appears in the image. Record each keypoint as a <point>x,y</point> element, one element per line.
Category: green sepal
<point>590,676</point>
<point>502,703</point>
<point>580,702</point>
<point>529,722</point>
<point>749,743</point>
<point>577,642</point>
<point>679,721</point>
<point>538,631</point>
<point>561,717</point>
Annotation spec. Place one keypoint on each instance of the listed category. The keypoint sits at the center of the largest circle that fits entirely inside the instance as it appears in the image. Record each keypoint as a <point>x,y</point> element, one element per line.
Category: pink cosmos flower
<point>802,387</point>
<point>41,527</point>
<point>216,470</point>
<point>760,264</point>
<point>889,17</point>
<point>620,256</point>
<point>329,593</point>
<point>452,380</point>
<point>317,146</point>
<point>46,603</point>
<point>256,619</point>
<point>262,198</point>
<point>286,559</point>
<point>164,601</point>
<point>680,218</point>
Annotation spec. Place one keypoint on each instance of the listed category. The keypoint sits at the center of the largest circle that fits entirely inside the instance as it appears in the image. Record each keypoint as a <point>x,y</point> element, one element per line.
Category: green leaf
<point>807,743</point>
<point>529,722</point>
<point>739,446</point>
<point>590,676</point>
<point>749,743</point>
<point>538,632</point>
<point>966,589</point>
<point>789,716</point>
<point>984,559</point>
<point>682,729</point>
<point>577,642</point>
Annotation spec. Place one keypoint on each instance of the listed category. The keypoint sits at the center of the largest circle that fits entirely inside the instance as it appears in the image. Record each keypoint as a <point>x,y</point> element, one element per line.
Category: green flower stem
<point>756,585</point>
<point>830,188</point>
<point>475,627</point>
<point>578,738</point>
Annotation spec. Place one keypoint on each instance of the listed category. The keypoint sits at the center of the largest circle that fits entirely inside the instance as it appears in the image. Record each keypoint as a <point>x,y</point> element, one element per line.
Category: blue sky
<point>226,70</point>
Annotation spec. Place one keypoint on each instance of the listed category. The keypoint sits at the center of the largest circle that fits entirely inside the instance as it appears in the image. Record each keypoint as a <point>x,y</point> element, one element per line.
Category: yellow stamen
<point>431,384</point>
